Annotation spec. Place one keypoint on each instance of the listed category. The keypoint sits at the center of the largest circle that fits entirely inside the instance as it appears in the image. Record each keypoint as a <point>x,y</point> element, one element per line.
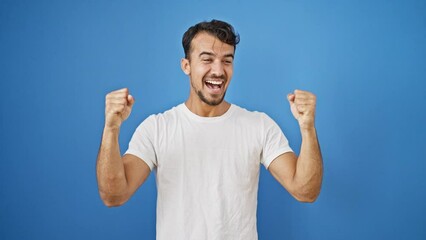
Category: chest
<point>214,151</point>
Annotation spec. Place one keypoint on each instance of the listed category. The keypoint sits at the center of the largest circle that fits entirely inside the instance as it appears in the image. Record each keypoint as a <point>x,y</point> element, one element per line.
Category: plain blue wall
<point>365,60</point>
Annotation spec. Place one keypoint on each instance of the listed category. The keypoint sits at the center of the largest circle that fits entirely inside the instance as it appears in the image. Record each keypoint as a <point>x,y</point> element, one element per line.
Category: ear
<point>186,67</point>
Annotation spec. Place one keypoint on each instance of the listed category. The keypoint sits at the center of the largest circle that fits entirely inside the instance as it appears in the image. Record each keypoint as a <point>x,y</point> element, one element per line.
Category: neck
<point>204,110</point>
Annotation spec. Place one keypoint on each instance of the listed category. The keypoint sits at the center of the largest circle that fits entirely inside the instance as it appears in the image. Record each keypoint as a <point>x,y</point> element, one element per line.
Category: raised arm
<point>118,177</point>
<point>301,176</point>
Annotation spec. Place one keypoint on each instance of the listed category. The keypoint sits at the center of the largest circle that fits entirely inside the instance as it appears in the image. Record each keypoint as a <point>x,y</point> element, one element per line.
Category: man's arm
<point>118,177</point>
<point>301,176</point>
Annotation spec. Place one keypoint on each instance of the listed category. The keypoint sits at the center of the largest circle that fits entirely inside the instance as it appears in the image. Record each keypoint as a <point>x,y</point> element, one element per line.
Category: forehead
<point>205,42</point>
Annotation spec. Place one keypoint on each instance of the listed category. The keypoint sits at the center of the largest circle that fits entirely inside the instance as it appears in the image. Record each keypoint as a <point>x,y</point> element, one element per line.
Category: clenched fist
<point>118,105</point>
<point>302,104</point>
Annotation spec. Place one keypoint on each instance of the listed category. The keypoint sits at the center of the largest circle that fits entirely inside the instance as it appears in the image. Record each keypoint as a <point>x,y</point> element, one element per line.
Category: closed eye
<point>228,61</point>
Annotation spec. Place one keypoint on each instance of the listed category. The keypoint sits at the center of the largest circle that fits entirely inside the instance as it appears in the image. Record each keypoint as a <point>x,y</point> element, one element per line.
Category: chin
<point>211,102</point>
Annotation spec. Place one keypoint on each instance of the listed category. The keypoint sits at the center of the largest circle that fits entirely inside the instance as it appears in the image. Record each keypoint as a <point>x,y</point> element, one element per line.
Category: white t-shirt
<point>207,170</point>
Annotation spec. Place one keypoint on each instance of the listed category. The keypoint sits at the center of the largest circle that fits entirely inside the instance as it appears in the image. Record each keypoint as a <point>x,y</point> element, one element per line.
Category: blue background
<point>365,61</point>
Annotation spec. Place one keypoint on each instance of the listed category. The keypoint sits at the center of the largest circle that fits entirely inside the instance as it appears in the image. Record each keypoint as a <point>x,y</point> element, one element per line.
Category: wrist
<point>308,131</point>
<point>111,128</point>
<point>112,124</point>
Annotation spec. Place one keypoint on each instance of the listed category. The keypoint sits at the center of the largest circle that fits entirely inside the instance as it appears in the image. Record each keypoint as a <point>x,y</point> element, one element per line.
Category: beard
<point>213,102</point>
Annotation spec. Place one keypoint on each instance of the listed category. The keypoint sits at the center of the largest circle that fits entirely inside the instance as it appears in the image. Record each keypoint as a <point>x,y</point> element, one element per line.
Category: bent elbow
<point>307,199</point>
<point>112,201</point>
<point>307,196</point>
<point>111,204</point>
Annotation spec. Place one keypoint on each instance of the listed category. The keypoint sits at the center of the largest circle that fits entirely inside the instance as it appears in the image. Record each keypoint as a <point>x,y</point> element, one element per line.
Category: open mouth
<point>216,85</point>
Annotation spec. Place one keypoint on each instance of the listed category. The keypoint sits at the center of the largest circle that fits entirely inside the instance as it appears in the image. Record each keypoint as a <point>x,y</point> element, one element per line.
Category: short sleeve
<point>142,142</point>
<point>274,143</point>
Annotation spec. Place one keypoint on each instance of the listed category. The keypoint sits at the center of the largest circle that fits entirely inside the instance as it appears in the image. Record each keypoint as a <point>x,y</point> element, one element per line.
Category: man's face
<point>210,68</point>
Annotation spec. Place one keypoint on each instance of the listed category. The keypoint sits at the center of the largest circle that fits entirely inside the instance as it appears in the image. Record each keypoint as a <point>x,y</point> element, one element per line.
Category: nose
<point>217,69</point>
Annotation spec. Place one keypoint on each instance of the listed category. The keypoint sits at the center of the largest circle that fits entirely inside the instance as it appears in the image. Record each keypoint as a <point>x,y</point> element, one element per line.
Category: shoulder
<point>261,120</point>
<point>158,119</point>
<point>168,114</point>
<point>243,113</point>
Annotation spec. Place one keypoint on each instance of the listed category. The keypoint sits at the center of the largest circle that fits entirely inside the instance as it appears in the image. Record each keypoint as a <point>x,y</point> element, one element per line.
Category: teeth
<point>215,82</point>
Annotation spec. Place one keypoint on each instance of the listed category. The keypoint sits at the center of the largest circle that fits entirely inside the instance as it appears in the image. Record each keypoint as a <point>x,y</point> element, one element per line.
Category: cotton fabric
<point>207,170</point>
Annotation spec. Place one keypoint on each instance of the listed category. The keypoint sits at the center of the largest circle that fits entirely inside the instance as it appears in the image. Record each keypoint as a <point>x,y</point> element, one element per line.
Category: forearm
<point>309,167</point>
<point>111,175</point>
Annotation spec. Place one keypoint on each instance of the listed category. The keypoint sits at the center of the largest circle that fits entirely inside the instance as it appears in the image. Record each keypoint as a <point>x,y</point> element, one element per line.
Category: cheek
<point>229,72</point>
<point>197,75</point>
<point>201,71</point>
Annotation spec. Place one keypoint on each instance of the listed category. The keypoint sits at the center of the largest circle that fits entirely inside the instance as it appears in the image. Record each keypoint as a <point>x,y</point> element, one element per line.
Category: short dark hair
<point>220,29</point>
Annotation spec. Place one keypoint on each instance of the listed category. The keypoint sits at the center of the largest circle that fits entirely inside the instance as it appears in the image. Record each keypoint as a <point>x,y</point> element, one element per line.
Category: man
<point>207,152</point>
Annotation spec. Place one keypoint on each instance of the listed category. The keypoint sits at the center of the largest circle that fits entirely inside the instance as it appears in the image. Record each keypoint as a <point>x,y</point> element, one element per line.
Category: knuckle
<point>111,95</point>
<point>114,108</point>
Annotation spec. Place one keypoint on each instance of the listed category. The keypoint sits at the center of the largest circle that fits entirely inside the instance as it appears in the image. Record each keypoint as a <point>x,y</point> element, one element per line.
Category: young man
<point>207,152</point>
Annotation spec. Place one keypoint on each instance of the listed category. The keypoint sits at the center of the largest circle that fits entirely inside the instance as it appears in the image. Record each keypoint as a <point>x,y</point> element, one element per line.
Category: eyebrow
<point>212,54</point>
